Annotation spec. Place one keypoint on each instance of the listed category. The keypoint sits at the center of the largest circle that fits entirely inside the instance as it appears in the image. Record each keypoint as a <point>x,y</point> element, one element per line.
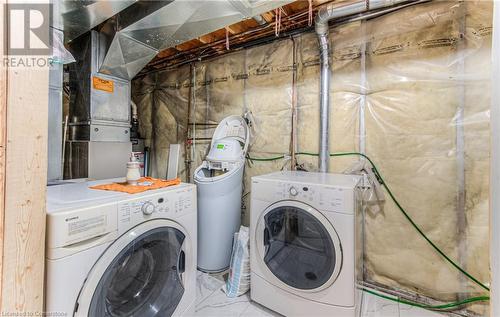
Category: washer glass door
<point>299,250</point>
<point>144,279</point>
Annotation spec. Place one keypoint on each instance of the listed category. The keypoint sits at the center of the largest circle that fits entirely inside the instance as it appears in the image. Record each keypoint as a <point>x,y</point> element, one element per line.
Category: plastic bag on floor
<point>238,281</point>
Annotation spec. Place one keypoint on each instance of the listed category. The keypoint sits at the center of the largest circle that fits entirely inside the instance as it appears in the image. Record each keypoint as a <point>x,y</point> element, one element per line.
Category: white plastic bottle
<point>133,170</point>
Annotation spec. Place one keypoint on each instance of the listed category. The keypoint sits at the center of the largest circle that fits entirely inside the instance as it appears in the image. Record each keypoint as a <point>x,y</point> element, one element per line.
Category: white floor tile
<point>410,311</point>
<point>206,285</point>
<point>373,306</point>
<point>257,310</point>
<point>211,301</point>
<point>218,304</point>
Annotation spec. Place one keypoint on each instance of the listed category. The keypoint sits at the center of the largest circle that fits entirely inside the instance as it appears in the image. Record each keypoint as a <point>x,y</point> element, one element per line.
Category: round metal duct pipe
<point>325,14</point>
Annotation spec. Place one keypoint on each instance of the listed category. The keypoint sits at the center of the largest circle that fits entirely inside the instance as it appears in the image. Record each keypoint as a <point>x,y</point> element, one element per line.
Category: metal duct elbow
<point>137,34</point>
<point>321,28</point>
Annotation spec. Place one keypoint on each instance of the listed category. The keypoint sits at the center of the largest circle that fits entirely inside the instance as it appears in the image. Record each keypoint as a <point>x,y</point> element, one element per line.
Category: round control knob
<point>148,208</point>
<point>293,191</point>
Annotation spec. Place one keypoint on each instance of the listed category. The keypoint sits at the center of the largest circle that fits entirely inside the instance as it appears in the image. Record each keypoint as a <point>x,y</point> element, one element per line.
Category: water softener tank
<point>220,184</point>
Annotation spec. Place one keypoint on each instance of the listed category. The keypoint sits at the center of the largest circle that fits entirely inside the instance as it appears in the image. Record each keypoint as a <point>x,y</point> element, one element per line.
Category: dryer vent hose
<point>413,224</point>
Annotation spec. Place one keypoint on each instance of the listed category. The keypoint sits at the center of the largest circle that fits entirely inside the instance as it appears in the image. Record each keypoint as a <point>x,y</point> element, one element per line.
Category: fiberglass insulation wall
<point>411,89</point>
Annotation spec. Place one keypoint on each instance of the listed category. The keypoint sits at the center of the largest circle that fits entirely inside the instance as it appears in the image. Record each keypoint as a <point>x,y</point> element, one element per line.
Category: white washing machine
<point>116,254</point>
<point>220,186</point>
<point>302,243</point>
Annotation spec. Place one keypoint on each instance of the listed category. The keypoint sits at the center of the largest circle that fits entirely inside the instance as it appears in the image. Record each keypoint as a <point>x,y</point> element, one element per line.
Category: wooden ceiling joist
<point>212,37</point>
<point>168,52</point>
<point>268,16</point>
<point>188,45</point>
<point>294,16</point>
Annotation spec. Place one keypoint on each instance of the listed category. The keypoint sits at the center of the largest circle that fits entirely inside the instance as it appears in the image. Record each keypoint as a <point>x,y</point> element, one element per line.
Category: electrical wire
<point>383,183</point>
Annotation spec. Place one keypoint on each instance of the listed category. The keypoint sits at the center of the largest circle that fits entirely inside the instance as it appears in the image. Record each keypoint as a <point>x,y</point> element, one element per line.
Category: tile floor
<point>212,302</point>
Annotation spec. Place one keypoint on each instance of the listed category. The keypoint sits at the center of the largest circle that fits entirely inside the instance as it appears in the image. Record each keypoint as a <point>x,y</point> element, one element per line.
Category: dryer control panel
<point>170,203</point>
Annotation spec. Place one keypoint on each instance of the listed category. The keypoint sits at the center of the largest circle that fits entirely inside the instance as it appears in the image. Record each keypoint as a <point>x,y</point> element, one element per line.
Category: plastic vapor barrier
<point>410,89</point>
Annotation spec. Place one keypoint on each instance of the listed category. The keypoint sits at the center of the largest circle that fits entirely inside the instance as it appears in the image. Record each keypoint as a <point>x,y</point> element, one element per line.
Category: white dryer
<point>116,254</point>
<point>302,243</point>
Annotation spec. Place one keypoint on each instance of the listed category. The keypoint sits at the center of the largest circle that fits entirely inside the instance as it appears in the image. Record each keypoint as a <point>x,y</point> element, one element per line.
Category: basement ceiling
<point>294,16</point>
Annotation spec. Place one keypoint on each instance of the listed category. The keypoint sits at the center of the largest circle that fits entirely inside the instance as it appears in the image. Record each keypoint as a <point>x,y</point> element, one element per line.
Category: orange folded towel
<point>144,184</point>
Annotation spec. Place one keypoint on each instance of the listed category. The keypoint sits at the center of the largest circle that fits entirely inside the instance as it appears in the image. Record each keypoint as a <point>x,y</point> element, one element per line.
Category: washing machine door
<point>140,274</point>
<point>298,247</point>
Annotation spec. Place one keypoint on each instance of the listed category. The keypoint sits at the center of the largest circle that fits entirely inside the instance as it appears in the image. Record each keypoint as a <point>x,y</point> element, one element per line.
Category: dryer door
<point>140,274</point>
<point>298,247</point>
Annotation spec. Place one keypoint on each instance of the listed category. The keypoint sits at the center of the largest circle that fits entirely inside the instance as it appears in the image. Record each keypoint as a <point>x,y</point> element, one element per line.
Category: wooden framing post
<point>23,178</point>
<point>3,132</point>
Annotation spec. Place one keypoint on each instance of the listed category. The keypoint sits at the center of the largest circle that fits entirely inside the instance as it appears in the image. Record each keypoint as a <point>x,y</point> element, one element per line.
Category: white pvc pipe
<point>134,109</point>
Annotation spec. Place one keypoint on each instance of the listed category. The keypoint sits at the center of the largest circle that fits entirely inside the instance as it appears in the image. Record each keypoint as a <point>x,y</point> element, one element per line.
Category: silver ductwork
<point>108,57</point>
<point>260,20</point>
<point>98,145</point>
<point>60,56</point>
<point>55,139</point>
<point>325,14</point>
<point>135,31</point>
<point>145,28</point>
<point>75,18</point>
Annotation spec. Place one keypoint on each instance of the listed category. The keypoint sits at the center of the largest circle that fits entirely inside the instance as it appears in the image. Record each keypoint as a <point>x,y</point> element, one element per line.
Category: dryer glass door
<point>144,279</point>
<point>299,250</point>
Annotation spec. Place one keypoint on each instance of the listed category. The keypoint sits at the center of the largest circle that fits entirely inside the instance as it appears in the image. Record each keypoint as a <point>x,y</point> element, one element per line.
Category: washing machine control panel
<point>148,208</point>
<point>295,191</point>
<point>166,204</point>
<point>329,198</point>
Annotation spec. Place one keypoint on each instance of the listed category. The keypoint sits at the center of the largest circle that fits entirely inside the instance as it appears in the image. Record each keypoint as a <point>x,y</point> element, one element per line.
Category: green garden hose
<point>265,159</point>
<point>430,307</point>
<point>414,225</point>
<point>383,183</point>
